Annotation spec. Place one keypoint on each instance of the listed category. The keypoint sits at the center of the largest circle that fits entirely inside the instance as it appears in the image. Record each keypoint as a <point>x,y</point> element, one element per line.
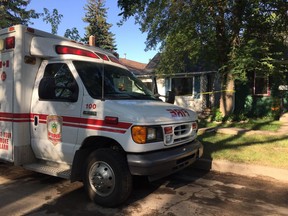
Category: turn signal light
<point>139,134</point>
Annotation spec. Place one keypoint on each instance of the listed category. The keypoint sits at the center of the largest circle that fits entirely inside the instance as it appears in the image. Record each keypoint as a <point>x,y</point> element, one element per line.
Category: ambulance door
<point>6,105</point>
<point>55,108</point>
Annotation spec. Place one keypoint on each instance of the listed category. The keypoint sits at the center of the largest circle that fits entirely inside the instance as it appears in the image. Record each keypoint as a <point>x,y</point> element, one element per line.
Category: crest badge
<point>54,129</point>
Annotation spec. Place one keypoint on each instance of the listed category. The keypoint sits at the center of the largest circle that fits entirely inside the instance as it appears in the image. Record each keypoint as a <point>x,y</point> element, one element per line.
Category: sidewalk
<point>241,168</point>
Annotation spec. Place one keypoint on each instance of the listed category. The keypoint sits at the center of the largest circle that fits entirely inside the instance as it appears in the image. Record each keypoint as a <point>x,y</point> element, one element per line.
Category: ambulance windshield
<point>110,82</point>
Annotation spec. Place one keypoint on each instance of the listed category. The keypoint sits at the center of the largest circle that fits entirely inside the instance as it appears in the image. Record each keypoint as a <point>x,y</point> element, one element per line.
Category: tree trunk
<point>227,99</point>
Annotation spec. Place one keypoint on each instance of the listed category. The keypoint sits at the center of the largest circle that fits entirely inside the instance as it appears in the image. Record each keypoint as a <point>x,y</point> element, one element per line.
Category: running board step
<point>53,169</point>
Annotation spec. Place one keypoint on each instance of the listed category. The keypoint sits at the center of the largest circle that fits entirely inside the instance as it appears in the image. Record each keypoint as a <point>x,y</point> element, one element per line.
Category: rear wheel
<point>107,179</point>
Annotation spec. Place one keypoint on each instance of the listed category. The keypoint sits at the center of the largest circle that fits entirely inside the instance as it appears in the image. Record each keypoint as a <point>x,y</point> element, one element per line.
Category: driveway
<point>189,192</point>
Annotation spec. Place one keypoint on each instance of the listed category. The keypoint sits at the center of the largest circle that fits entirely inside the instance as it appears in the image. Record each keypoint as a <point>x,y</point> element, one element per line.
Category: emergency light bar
<point>61,49</point>
<point>108,58</point>
<point>114,59</point>
<point>102,56</point>
<point>75,51</point>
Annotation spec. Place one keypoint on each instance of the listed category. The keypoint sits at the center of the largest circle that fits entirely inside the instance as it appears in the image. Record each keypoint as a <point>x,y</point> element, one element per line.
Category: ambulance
<point>74,111</point>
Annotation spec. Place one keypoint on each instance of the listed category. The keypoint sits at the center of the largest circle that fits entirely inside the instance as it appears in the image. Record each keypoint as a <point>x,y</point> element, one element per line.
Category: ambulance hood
<point>148,112</point>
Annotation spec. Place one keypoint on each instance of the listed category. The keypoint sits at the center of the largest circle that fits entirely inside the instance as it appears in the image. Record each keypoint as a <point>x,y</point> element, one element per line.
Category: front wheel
<point>107,179</point>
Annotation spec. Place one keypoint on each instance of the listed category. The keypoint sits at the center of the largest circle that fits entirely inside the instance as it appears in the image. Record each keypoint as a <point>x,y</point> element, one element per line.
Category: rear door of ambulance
<point>6,97</point>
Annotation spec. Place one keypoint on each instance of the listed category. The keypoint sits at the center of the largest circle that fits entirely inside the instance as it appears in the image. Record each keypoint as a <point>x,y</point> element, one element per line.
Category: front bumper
<point>161,163</point>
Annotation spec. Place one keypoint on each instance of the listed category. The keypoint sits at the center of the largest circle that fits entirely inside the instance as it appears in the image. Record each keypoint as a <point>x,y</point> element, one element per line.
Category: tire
<point>107,179</point>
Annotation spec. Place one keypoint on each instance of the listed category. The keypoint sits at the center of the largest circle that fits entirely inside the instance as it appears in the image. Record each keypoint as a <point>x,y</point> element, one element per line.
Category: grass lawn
<point>254,149</point>
<point>251,124</point>
<point>264,149</point>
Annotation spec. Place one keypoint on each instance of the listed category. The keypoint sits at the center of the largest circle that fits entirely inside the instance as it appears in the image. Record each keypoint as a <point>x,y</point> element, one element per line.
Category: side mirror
<point>170,97</point>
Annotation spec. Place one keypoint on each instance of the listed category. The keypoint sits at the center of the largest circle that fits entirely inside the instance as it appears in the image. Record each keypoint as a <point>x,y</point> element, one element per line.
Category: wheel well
<point>96,142</point>
<point>89,145</point>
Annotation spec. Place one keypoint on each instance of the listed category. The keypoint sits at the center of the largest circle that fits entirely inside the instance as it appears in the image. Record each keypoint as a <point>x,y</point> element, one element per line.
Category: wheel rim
<point>102,178</point>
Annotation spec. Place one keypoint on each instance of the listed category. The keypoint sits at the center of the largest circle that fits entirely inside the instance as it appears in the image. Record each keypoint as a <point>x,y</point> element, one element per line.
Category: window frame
<point>195,93</point>
<point>68,86</point>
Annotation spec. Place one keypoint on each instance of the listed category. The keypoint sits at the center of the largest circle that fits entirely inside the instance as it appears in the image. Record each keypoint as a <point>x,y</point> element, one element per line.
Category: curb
<point>242,169</point>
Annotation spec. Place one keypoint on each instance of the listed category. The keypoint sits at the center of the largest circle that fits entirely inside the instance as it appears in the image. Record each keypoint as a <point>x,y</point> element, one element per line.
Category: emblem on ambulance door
<point>54,129</point>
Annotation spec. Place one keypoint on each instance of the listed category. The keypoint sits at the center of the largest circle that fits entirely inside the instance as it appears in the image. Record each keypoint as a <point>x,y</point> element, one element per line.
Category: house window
<point>182,86</point>
<point>261,85</point>
<point>187,86</point>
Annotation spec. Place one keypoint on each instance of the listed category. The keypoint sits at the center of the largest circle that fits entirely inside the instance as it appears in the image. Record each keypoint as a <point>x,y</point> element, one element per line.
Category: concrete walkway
<point>246,169</point>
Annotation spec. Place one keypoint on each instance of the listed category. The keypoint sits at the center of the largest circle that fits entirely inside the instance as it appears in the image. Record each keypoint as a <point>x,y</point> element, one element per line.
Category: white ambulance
<point>74,111</point>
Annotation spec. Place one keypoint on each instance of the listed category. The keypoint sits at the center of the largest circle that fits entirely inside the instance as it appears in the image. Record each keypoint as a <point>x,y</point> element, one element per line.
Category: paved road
<point>189,192</point>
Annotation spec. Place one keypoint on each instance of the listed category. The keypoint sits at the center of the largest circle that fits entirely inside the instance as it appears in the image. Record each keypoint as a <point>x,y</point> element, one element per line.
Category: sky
<point>129,40</point>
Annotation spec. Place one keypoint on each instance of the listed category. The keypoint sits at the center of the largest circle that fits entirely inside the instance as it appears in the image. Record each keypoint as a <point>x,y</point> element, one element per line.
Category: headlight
<point>145,134</point>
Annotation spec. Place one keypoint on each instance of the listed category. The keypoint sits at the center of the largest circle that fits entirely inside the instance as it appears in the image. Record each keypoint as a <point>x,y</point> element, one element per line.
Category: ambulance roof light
<point>114,59</point>
<point>102,56</point>
<point>74,51</point>
<point>10,42</point>
<point>10,29</point>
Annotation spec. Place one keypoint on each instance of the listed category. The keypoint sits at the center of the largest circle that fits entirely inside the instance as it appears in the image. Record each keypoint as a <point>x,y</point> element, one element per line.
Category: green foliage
<point>13,12</point>
<point>95,16</point>
<point>233,36</point>
<point>73,34</point>
<point>217,115</point>
<point>54,19</point>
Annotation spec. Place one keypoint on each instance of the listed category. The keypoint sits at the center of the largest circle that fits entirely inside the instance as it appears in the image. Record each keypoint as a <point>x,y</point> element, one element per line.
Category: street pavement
<point>246,169</point>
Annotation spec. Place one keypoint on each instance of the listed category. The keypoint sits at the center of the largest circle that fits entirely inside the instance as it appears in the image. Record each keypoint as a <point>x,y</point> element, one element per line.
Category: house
<point>138,69</point>
<point>200,89</point>
<point>194,90</point>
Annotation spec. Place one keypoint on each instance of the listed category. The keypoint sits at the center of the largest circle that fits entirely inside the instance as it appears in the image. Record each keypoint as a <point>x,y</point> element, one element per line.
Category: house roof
<point>133,66</point>
<point>153,63</point>
<point>141,69</point>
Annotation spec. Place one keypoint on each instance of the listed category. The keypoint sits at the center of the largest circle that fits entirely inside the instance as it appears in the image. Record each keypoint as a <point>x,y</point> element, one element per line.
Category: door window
<point>58,84</point>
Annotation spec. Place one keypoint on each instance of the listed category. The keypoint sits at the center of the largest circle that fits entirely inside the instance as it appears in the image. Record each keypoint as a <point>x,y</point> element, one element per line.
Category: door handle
<point>36,120</point>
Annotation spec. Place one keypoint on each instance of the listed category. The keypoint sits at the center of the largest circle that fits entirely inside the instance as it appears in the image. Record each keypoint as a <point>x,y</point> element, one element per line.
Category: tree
<point>96,18</point>
<point>14,12</point>
<point>54,19</point>
<point>236,37</point>
<point>72,34</point>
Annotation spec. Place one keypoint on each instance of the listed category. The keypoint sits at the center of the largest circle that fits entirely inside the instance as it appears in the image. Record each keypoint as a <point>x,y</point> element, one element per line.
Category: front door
<point>55,108</point>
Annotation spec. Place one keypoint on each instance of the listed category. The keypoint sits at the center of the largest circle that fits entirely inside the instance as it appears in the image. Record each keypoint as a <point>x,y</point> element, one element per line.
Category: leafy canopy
<point>54,19</point>
<point>14,12</point>
<point>232,36</point>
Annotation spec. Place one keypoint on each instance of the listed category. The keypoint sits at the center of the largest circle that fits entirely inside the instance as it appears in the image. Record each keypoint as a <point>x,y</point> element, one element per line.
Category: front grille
<point>182,129</point>
<point>182,133</point>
